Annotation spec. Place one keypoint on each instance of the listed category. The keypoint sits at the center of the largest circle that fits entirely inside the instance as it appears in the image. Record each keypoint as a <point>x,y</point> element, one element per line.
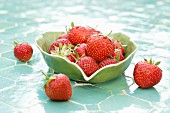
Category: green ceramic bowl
<point>73,71</point>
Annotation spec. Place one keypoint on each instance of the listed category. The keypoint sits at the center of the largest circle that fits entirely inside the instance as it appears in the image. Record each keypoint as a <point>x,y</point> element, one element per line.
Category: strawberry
<point>23,52</point>
<point>72,57</point>
<point>107,61</point>
<point>58,87</point>
<point>80,34</point>
<point>118,45</point>
<point>81,49</point>
<point>147,74</point>
<point>88,65</point>
<point>63,36</point>
<point>57,43</point>
<point>118,55</point>
<point>99,47</point>
<point>94,37</point>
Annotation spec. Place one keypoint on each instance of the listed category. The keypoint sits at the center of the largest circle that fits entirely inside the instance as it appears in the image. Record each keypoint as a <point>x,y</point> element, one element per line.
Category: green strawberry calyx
<point>16,43</point>
<point>68,30</point>
<point>48,79</point>
<point>63,50</point>
<point>109,33</point>
<point>152,62</point>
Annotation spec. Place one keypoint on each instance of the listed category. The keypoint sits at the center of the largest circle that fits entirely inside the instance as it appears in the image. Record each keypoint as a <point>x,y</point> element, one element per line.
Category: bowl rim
<point>82,72</point>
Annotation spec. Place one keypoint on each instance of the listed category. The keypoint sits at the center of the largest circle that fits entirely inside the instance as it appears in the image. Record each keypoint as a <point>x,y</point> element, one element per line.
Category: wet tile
<point>4,48</point>
<point>6,63</point>
<point>6,83</point>
<point>146,94</point>
<point>92,107</point>
<point>22,96</point>
<point>7,109</point>
<point>124,103</point>
<point>57,106</point>
<point>10,55</point>
<point>16,72</point>
<point>89,94</point>
<point>167,102</point>
<point>18,21</point>
<point>36,61</point>
<point>34,80</point>
<point>96,111</point>
<point>161,110</point>
<point>118,83</point>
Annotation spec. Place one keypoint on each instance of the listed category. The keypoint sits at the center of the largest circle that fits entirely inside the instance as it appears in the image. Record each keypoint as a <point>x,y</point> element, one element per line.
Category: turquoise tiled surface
<point>21,83</point>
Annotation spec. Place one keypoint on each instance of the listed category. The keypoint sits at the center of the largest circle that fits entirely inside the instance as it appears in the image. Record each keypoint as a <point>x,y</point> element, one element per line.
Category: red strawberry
<point>118,55</point>
<point>58,87</point>
<point>91,31</point>
<point>72,57</point>
<point>147,74</point>
<point>57,42</point>
<point>107,61</point>
<point>94,37</point>
<point>63,36</point>
<point>118,45</point>
<point>23,52</point>
<point>100,47</point>
<point>79,34</point>
<point>88,65</point>
<point>81,49</point>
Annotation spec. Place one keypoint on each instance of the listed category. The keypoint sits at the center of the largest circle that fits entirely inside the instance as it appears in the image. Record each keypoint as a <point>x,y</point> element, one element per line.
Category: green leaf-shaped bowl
<point>73,71</point>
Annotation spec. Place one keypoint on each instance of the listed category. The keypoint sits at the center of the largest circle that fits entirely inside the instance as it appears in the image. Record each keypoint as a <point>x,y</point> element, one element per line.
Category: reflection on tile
<point>82,95</point>
<point>22,97</point>
<point>6,63</point>
<point>115,84</point>
<point>6,83</point>
<point>125,103</point>
<point>10,55</point>
<point>7,109</point>
<point>146,94</point>
<point>92,107</point>
<point>161,110</point>
<point>167,102</point>
<point>15,72</point>
<point>4,48</point>
<point>53,107</point>
<point>37,62</point>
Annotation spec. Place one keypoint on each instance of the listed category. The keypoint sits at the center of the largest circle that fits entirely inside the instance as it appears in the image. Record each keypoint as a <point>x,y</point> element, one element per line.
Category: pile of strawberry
<point>88,48</point>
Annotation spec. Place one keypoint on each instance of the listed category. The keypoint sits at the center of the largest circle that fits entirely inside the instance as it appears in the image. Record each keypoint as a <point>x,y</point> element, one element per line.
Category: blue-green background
<point>21,84</point>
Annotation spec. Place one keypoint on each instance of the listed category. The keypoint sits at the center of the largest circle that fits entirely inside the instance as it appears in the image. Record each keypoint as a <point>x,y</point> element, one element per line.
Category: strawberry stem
<point>47,78</point>
<point>74,58</point>
<point>96,27</point>
<point>52,71</point>
<point>72,24</point>
<point>16,43</point>
<point>66,29</point>
<point>111,56</point>
<point>109,33</point>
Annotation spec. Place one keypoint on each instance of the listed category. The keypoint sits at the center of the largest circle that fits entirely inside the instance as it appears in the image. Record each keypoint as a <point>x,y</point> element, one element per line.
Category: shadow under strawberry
<point>150,94</point>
